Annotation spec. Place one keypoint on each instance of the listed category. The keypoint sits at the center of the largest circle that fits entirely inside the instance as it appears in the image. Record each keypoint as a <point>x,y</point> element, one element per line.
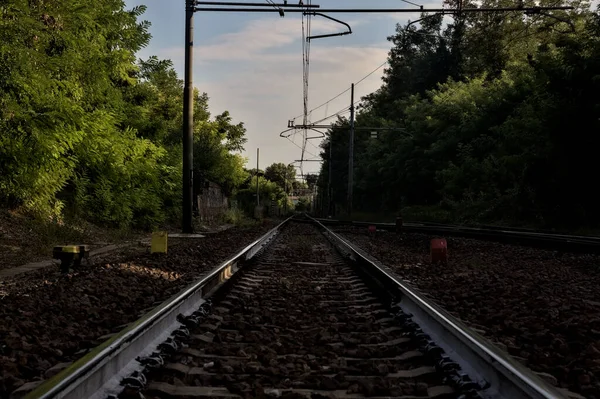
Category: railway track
<point>299,313</point>
<point>520,236</point>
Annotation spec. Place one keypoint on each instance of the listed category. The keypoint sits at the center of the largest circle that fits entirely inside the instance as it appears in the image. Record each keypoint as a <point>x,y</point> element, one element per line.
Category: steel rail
<point>89,374</point>
<point>556,241</point>
<point>502,376</point>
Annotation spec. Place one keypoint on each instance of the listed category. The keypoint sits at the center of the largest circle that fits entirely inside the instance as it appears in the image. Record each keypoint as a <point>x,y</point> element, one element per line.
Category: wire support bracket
<point>314,13</point>
<point>290,132</point>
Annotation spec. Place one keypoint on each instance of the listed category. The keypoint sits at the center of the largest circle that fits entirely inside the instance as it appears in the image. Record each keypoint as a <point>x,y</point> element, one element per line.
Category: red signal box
<point>439,250</point>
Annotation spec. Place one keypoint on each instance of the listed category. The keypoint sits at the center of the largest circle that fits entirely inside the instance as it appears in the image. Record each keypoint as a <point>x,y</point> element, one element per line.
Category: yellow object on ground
<point>70,255</point>
<point>159,242</point>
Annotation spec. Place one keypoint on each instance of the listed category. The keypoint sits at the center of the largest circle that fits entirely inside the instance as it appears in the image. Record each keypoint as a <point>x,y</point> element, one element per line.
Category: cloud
<point>256,74</point>
<point>259,36</point>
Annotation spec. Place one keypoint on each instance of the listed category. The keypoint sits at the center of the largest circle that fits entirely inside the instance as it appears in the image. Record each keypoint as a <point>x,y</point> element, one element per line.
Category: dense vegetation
<point>500,115</point>
<point>86,130</point>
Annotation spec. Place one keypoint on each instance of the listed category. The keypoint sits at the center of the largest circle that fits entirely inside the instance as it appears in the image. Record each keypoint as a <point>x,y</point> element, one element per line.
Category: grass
<point>25,239</point>
<point>238,218</point>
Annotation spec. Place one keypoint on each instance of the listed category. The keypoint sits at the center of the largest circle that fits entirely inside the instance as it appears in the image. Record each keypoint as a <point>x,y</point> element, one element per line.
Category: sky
<point>251,65</point>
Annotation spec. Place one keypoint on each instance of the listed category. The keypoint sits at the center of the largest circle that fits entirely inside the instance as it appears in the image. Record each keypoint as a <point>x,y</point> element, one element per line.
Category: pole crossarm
<point>355,128</point>
<point>313,13</point>
<point>529,10</point>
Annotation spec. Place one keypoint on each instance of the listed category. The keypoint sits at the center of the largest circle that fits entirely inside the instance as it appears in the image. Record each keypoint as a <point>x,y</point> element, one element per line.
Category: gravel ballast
<point>541,306</point>
<point>299,323</point>
<point>49,318</point>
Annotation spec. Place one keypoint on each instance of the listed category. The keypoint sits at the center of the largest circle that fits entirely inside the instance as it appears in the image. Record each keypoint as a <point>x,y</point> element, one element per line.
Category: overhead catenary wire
<point>275,6</point>
<point>413,4</point>
<point>371,73</point>
<point>346,90</point>
<point>341,112</point>
<point>314,146</point>
<point>299,146</point>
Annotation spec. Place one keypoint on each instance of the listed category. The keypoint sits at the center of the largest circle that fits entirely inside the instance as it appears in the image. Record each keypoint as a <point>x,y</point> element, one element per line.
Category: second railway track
<point>299,313</point>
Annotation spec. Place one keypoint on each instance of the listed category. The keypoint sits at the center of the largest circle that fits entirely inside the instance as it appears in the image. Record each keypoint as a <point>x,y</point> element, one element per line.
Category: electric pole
<point>257,190</point>
<point>351,152</point>
<point>329,190</point>
<point>188,120</point>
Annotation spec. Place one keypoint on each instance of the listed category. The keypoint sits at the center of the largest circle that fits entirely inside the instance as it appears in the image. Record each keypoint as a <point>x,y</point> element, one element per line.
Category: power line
<point>371,73</point>
<point>299,146</point>
<point>281,13</point>
<point>411,3</point>
<point>347,90</point>
<point>327,102</point>
<point>340,112</point>
<point>315,147</point>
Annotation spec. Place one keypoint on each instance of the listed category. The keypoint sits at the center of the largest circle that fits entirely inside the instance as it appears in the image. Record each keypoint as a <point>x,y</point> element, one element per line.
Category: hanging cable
<point>299,146</point>
<point>275,6</point>
<point>345,91</point>
<point>371,73</point>
<point>413,4</point>
<point>339,113</point>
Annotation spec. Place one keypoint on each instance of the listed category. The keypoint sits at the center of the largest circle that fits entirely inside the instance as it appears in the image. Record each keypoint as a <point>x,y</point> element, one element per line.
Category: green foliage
<point>303,204</point>
<point>499,114</point>
<point>284,176</point>
<point>215,142</point>
<point>238,218</point>
<point>87,131</point>
<point>268,191</point>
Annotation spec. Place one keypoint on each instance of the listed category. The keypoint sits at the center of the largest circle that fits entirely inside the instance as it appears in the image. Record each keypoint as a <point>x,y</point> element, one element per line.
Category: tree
<point>497,112</point>
<point>282,175</point>
<point>311,180</point>
<point>86,130</point>
<point>303,204</point>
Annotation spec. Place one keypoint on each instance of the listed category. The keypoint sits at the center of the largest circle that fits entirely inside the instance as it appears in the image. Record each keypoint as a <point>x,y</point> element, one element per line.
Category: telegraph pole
<point>351,152</point>
<point>188,120</point>
<point>329,190</point>
<point>257,190</point>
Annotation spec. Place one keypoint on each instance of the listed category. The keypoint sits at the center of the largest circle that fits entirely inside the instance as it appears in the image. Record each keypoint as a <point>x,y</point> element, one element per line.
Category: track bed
<point>540,306</point>
<point>300,322</point>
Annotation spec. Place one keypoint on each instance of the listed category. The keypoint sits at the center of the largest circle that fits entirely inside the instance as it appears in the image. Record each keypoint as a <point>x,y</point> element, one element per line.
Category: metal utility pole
<point>257,190</point>
<point>285,205</point>
<point>188,121</point>
<point>329,190</point>
<point>351,152</point>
